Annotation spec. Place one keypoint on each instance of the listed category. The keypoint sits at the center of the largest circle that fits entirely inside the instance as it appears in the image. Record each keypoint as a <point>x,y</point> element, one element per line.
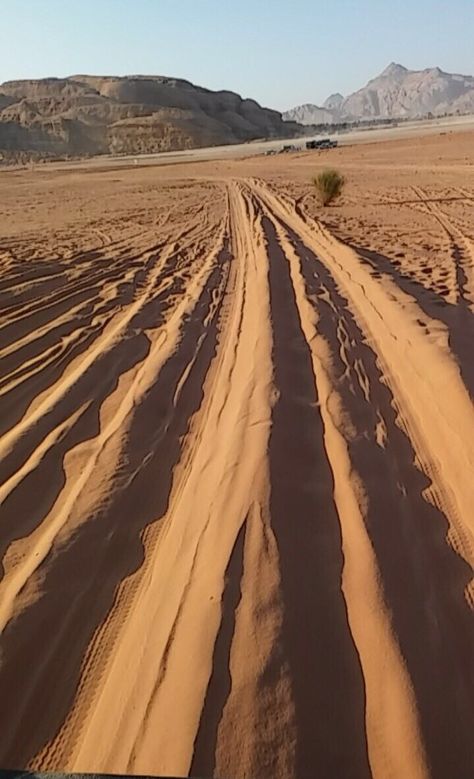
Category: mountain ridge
<point>396,93</point>
<point>87,114</point>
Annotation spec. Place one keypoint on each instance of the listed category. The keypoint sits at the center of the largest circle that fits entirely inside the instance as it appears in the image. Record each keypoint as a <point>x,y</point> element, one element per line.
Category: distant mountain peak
<point>334,101</point>
<point>397,92</point>
<point>394,69</point>
<point>309,114</point>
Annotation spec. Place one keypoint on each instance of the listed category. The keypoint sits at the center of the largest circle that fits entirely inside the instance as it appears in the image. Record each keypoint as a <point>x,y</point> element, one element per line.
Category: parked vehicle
<point>324,143</point>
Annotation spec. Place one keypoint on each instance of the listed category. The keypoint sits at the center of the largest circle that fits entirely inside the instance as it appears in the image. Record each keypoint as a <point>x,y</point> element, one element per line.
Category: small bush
<point>328,185</point>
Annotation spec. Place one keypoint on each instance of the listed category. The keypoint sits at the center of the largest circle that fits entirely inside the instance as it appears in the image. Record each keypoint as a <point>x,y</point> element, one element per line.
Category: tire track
<point>229,397</point>
<point>464,265</point>
<point>330,334</point>
<point>159,351</point>
<point>129,400</point>
<point>449,745</point>
<point>385,317</point>
<point>235,506</point>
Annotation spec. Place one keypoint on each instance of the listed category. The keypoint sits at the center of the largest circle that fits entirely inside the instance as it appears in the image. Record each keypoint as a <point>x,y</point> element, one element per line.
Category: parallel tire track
<point>236,502</point>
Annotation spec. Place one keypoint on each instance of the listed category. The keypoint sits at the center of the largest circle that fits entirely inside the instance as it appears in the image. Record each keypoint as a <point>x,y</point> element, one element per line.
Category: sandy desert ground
<point>237,451</point>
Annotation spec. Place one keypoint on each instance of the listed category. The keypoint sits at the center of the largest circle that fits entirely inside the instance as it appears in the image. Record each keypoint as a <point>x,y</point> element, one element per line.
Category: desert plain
<point>236,466</point>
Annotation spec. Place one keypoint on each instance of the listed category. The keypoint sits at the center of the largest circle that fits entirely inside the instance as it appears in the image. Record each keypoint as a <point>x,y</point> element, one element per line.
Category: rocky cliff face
<point>309,114</point>
<point>399,92</point>
<point>396,93</point>
<point>92,114</point>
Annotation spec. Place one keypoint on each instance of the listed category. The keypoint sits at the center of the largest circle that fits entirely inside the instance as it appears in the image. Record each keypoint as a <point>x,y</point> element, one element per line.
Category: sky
<point>281,53</point>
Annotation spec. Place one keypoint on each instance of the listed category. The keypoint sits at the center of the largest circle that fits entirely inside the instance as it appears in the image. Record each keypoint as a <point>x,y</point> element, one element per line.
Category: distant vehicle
<point>324,143</point>
<point>289,147</point>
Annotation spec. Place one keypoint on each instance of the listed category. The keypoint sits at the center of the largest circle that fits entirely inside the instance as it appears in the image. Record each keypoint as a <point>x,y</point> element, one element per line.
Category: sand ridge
<point>236,438</point>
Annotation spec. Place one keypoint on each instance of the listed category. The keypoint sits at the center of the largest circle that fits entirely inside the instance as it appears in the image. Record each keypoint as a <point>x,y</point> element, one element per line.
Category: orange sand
<point>236,467</point>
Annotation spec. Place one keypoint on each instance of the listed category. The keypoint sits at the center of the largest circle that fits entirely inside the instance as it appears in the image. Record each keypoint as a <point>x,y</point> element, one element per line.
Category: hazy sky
<point>281,53</point>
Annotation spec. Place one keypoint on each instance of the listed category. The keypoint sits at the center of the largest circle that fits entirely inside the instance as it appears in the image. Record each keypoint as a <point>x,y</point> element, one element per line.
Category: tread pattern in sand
<point>236,536</point>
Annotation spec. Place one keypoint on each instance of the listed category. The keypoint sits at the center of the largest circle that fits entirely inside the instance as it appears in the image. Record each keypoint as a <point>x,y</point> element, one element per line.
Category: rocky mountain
<point>397,93</point>
<point>309,114</point>
<point>333,102</point>
<point>133,114</point>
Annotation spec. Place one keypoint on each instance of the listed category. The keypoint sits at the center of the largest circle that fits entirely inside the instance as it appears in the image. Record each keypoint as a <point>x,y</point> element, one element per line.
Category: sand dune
<point>236,475</point>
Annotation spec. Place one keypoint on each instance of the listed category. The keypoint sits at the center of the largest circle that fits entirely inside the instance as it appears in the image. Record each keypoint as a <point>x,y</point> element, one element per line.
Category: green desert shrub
<point>328,185</point>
